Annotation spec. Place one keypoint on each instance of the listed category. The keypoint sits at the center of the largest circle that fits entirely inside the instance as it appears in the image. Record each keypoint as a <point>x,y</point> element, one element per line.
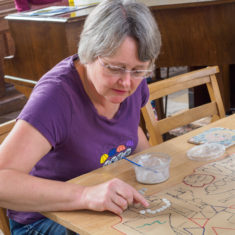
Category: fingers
<point>127,195</point>
<point>131,195</point>
<point>114,195</point>
<point>138,198</point>
<point>114,207</point>
<point>119,204</point>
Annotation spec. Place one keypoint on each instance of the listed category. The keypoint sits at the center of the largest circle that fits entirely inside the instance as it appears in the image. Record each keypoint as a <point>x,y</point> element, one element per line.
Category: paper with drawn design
<point>204,203</point>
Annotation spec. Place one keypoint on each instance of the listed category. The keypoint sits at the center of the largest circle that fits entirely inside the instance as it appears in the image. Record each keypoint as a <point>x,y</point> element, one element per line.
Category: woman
<point>83,114</point>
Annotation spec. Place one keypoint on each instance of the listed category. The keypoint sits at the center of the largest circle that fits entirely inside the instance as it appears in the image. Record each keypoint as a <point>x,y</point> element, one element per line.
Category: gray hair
<point>111,22</point>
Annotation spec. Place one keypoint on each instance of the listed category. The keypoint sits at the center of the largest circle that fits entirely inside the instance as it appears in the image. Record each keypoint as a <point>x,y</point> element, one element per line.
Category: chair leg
<point>4,222</point>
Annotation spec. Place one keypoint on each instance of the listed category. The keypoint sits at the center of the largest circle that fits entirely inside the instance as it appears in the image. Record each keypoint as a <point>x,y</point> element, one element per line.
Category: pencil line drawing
<point>203,203</point>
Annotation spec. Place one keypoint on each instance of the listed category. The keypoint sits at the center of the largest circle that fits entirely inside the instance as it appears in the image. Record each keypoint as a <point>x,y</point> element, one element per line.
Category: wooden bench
<point>6,43</point>
<point>24,86</point>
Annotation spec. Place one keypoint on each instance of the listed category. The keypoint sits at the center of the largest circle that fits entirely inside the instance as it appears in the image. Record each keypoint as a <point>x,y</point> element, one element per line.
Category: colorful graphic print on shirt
<point>117,153</point>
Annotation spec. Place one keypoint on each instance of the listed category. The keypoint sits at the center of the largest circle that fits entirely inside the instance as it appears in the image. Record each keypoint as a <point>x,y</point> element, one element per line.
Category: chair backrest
<point>215,108</point>
<point>5,128</point>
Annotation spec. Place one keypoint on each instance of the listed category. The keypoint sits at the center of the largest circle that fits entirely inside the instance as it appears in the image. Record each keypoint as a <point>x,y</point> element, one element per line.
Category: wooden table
<point>194,33</point>
<point>89,222</point>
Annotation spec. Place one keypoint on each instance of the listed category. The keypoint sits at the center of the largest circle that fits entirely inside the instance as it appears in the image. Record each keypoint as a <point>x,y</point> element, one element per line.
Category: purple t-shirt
<point>82,139</point>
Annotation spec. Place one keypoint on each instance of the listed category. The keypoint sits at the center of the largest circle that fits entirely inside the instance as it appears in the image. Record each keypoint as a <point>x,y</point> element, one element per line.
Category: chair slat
<point>181,119</point>
<point>168,88</point>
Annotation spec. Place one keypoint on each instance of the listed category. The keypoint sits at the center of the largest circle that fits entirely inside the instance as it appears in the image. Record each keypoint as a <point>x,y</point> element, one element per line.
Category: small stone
<point>142,212</point>
<point>148,210</point>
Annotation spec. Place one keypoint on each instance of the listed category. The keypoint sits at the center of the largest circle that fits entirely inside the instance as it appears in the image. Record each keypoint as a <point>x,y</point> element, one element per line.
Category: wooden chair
<point>4,222</point>
<point>215,108</point>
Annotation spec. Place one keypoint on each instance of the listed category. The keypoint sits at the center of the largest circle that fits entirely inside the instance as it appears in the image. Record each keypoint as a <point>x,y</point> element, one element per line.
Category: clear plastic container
<point>206,152</point>
<point>155,168</point>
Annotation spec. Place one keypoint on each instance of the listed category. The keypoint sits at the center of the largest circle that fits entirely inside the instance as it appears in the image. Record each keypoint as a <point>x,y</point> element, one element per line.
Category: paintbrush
<point>137,164</point>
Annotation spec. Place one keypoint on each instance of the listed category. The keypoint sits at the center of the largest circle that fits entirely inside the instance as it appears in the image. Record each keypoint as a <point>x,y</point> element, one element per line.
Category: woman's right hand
<point>113,195</point>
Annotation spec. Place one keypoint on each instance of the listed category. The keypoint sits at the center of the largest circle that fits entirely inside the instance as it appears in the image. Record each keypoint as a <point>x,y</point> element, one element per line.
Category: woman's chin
<point>116,99</point>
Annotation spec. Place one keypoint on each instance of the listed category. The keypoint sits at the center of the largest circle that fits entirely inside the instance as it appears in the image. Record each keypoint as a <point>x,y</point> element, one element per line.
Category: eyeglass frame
<point>122,71</point>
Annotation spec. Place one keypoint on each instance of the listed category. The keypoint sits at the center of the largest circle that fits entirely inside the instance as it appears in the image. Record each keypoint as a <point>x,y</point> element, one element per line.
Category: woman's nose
<point>126,79</point>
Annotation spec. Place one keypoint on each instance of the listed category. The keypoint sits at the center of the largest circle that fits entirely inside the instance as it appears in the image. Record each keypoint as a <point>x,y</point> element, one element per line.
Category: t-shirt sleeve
<point>145,92</point>
<point>49,111</point>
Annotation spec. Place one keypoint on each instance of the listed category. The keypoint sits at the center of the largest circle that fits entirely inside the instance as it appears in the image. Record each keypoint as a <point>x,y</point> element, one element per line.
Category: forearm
<point>22,192</point>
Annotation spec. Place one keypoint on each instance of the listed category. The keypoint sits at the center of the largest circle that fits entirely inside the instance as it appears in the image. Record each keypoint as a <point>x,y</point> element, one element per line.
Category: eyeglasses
<point>116,71</point>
